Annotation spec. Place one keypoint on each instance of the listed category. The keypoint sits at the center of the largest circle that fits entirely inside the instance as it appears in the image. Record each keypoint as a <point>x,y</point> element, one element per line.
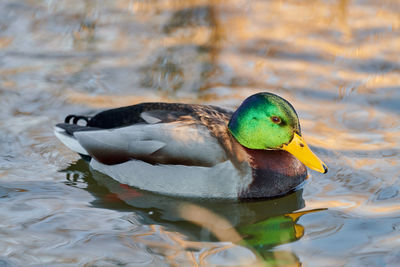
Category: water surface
<point>337,62</point>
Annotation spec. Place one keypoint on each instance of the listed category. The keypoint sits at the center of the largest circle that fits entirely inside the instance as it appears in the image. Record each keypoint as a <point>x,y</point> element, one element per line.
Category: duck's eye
<point>276,119</point>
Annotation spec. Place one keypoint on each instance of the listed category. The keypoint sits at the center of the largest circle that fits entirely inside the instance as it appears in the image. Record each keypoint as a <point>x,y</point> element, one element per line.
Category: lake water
<point>337,62</point>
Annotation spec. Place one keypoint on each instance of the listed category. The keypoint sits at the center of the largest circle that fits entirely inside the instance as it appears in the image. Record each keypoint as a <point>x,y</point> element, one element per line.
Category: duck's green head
<point>267,121</point>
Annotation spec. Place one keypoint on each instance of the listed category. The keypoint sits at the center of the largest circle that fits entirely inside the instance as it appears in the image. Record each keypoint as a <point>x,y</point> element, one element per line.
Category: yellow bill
<point>298,148</point>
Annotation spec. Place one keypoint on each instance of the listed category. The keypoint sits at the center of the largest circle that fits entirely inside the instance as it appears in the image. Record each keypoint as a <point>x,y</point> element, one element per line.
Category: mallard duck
<point>191,150</point>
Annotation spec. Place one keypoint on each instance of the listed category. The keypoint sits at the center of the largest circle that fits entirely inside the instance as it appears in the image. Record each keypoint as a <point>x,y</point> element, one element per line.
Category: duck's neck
<point>274,173</point>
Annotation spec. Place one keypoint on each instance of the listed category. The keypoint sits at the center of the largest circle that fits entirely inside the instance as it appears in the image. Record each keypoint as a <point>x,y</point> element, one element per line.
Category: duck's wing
<point>158,133</point>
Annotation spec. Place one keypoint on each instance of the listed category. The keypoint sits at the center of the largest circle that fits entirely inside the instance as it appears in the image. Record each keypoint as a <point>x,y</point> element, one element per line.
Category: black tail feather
<point>76,118</point>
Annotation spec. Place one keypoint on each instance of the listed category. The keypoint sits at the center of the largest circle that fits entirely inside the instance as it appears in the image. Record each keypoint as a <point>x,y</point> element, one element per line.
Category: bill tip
<point>325,168</point>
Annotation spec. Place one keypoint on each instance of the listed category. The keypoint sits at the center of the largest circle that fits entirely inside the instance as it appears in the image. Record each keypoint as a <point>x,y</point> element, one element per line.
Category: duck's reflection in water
<point>201,232</point>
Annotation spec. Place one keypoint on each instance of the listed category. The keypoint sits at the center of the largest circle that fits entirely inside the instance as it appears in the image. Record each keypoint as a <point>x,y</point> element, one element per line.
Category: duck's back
<point>158,112</point>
